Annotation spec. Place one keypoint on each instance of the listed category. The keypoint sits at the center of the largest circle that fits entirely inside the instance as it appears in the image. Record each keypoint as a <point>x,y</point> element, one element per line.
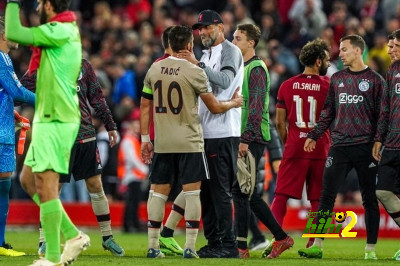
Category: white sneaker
<point>44,262</point>
<point>74,247</point>
<point>261,245</point>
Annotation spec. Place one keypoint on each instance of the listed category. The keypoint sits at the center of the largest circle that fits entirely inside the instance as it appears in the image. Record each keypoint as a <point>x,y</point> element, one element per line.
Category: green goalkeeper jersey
<point>60,64</point>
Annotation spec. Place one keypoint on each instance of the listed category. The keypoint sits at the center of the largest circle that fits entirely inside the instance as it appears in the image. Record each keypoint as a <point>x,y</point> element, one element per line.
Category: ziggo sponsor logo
<point>348,98</point>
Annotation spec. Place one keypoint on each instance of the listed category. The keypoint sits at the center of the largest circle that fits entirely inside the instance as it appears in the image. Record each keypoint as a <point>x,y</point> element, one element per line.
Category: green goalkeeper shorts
<point>51,146</point>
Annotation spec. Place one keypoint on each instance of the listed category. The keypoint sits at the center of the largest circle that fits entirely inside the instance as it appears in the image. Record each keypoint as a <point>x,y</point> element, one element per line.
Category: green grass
<point>336,252</point>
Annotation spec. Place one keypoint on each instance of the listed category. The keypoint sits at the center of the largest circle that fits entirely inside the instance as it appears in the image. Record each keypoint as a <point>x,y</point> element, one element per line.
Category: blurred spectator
<point>337,19</point>
<point>309,15</point>
<point>270,29</point>
<point>281,54</point>
<point>390,9</point>
<point>131,42</point>
<point>379,51</point>
<point>283,8</point>
<point>131,171</point>
<point>124,82</point>
<point>187,16</point>
<point>392,25</point>
<point>229,24</point>
<point>328,36</point>
<point>242,14</point>
<point>372,9</point>
<point>138,11</point>
<point>368,24</point>
<point>271,23</point>
<point>376,63</point>
<point>74,191</point>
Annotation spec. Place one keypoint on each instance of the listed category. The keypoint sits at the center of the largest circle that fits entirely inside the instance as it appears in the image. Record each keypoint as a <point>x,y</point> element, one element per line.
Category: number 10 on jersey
<point>160,108</point>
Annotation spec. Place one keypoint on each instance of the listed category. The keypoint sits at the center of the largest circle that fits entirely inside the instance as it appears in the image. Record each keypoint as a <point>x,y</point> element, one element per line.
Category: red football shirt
<point>303,97</point>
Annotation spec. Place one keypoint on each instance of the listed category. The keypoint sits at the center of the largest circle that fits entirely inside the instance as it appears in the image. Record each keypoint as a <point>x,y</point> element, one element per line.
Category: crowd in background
<point>121,38</point>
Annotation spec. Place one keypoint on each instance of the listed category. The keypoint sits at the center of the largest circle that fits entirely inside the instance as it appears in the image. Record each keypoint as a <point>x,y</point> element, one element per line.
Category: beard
<point>323,70</point>
<point>208,42</point>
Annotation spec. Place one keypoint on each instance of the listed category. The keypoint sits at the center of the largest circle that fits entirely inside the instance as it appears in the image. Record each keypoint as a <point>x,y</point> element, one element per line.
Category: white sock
<point>370,247</point>
<point>318,242</point>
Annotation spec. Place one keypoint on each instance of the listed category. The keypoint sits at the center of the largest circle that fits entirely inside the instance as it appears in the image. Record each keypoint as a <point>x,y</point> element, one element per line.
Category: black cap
<point>207,17</point>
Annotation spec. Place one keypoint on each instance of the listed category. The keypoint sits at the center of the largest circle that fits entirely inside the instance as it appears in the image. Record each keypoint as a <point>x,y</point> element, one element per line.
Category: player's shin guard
<point>102,211</point>
<point>391,203</point>
<point>176,214</point>
<point>149,199</point>
<point>192,217</point>
<point>155,216</point>
<point>51,216</point>
<point>5,185</point>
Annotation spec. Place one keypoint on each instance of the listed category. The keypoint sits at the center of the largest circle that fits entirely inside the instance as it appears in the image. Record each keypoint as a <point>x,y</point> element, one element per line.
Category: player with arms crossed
<point>300,102</point>
<point>352,105</point>
<point>174,85</point>
<point>57,118</point>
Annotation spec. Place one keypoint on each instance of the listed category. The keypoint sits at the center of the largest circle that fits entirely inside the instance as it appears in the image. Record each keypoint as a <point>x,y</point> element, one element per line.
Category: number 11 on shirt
<point>299,111</point>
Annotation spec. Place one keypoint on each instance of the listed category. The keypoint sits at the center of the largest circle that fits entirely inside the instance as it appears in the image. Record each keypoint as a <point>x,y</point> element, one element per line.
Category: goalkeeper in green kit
<point>57,117</point>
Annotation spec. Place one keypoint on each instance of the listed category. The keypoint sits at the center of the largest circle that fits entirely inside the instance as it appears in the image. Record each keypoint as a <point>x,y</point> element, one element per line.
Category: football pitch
<point>336,252</point>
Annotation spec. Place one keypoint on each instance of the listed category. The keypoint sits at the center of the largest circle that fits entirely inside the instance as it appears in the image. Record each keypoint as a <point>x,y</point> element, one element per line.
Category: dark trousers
<point>216,193</point>
<point>256,204</point>
<point>339,163</point>
<point>131,219</point>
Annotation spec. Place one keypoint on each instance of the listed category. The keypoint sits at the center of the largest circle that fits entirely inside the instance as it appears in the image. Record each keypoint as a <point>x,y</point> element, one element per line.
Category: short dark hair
<point>179,37</point>
<point>253,32</point>
<point>59,5</point>
<point>312,51</point>
<point>355,40</point>
<point>390,37</point>
<point>164,37</point>
<point>396,34</point>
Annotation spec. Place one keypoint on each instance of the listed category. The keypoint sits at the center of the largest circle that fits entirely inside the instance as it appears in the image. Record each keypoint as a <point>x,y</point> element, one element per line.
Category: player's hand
<point>17,121</point>
<point>20,121</point>
<point>237,98</point>
<point>243,149</point>
<point>309,145</point>
<point>376,151</point>
<point>275,166</point>
<point>112,138</point>
<point>147,152</point>
<point>188,55</point>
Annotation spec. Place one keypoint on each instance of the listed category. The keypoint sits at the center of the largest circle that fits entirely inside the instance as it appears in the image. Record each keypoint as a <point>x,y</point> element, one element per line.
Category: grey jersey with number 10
<point>175,85</point>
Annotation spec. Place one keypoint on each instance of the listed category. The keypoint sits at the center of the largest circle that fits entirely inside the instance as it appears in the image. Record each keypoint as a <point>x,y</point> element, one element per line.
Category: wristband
<point>145,138</point>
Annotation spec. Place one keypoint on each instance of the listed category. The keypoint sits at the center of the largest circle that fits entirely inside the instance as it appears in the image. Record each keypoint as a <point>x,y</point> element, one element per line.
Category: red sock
<point>278,207</point>
<point>314,208</point>
<point>314,205</point>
